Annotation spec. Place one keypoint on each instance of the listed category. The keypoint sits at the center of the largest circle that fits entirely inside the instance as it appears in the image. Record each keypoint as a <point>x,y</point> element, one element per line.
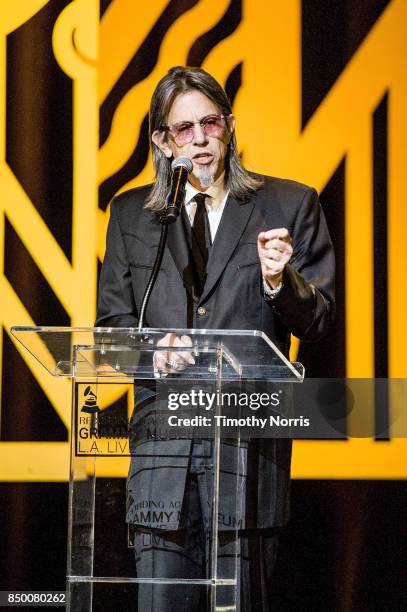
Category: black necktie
<point>201,237</point>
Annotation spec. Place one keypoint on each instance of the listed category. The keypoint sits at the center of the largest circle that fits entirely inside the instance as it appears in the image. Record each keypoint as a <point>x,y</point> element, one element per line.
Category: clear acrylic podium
<point>142,456</point>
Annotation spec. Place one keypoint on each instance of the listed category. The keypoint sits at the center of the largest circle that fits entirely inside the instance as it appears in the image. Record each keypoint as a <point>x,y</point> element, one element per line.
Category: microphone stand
<point>156,269</point>
<point>179,167</point>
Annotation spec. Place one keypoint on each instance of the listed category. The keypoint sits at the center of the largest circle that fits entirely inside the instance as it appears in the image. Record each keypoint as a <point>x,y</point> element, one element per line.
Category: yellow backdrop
<point>267,41</point>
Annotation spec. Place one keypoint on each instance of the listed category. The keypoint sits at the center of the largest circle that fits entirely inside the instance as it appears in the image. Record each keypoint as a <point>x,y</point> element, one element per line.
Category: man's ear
<point>231,121</point>
<point>160,140</point>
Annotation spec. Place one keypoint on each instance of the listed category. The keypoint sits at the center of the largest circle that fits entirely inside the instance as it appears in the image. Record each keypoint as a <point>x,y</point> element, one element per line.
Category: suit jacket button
<point>201,310</point>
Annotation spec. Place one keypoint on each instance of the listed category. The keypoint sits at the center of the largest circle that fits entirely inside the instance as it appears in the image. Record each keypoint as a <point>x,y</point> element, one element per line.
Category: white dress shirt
<point>214,204</point>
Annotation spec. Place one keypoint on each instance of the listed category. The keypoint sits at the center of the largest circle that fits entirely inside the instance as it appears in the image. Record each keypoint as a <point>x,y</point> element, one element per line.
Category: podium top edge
<point>144,330</point>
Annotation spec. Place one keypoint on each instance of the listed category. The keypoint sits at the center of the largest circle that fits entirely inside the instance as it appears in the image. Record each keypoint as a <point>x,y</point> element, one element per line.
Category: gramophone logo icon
<point>90,406</point>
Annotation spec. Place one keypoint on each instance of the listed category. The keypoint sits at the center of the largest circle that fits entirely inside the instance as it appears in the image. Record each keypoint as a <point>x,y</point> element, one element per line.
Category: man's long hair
<point>180,80</point>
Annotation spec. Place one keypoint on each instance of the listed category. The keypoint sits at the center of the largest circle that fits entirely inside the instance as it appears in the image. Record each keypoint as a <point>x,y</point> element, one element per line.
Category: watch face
<point>269,291</point>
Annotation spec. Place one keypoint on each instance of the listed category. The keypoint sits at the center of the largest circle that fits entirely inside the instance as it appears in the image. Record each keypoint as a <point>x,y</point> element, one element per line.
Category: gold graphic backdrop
<point>319,89</point>
<point>337,125</point>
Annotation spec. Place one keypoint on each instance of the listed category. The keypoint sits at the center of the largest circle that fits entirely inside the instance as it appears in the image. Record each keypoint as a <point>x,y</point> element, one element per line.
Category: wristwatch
<point>270,293</point>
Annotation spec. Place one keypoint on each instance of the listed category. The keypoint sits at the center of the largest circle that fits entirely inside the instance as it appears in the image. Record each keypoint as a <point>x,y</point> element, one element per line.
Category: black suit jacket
<point>232,298</point>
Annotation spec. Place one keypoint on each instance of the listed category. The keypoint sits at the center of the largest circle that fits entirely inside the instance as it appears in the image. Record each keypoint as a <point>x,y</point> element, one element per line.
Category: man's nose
<point>199,134</point>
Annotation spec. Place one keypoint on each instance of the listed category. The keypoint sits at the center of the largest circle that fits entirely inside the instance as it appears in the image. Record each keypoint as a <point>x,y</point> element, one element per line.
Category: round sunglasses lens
<point>212,126</point>
<point>184,135</point>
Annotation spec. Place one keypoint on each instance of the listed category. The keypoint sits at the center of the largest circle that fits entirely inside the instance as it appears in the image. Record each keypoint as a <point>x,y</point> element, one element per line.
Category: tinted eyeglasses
<point>183,132</point>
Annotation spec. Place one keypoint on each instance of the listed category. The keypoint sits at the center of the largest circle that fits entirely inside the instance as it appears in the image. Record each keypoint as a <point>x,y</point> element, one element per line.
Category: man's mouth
<point>203,158</point>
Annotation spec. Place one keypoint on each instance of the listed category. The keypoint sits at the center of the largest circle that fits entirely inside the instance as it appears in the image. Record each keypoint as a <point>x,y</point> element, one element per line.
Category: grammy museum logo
<point>101,433</point>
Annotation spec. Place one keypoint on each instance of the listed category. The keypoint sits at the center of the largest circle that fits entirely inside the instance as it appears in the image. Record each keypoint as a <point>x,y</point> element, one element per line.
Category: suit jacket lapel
<point>232,225</point>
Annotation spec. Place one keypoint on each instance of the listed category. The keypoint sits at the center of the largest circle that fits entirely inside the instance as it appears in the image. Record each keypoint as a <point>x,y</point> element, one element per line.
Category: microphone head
<point>182,162</point>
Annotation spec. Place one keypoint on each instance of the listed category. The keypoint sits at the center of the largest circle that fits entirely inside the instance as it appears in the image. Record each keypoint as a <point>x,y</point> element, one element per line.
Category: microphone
<point>180,167</point>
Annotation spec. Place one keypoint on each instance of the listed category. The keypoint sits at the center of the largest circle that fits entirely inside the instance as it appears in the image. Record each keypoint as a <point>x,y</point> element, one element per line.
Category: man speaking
<point>247,252</point>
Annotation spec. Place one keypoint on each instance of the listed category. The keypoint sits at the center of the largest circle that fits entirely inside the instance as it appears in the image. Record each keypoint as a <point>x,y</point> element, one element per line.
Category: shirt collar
<point>217,191</point>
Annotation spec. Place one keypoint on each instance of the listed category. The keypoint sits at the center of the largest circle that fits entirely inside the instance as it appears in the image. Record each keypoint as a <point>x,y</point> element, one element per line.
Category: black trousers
<point>186,553</point>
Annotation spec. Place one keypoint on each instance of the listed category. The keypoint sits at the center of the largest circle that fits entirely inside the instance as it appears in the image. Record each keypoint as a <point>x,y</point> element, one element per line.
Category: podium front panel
<point>158,499</point>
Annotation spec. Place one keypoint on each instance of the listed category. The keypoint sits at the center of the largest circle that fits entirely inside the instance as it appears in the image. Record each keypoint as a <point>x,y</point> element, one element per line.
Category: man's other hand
<point>172,362</point>
<point>275,251</point>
